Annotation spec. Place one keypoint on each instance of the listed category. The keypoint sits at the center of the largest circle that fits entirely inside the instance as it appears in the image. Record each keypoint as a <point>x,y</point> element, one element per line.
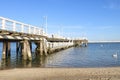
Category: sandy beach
<point>61,74</point>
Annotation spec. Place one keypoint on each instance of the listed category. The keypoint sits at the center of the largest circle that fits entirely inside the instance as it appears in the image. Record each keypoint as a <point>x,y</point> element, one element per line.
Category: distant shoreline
<point>104,42</point>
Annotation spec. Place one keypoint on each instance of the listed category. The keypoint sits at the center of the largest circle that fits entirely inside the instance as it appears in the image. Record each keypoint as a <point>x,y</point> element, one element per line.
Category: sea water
<point>94,55</point>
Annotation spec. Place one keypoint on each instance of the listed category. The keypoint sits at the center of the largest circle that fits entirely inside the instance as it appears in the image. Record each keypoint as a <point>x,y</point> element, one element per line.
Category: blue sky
<point>98,20</point>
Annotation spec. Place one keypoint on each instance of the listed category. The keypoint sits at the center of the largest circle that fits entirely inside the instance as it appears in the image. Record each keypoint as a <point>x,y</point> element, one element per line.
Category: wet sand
<point>61,74</point>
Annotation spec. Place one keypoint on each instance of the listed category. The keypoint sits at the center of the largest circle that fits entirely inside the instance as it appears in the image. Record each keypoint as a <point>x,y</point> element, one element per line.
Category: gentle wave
<point>95,55</point>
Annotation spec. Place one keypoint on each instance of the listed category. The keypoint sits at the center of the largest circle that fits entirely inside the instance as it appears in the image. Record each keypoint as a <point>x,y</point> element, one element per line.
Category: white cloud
<point>104,27</point>
<point>112,4</point>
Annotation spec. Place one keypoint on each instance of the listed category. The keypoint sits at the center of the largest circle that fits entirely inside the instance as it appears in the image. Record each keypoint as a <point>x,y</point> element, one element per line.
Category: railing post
<point>3,23</point>
<point>39,31</point>
<point>34,30</point>
<point>29,30</point>
<point>14,26</point>
<point>4,50</point>
<point>22,28</point>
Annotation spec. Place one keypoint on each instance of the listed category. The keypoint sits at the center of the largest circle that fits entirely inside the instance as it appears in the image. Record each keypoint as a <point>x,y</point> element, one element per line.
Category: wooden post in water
<point>49,48</point>
<point>17,47</point>
<point>45,46</point>
<point>20,47</point>
<point>30,45</point>
<point>4,50</point>
<point>24,53</point>
<point>26,50</point>
<point>8,49</point>
<point>41,47</point>
<point>85,44</point>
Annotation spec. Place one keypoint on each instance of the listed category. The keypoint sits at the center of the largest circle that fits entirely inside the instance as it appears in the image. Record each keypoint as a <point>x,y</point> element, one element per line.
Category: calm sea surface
<point>95,55</point>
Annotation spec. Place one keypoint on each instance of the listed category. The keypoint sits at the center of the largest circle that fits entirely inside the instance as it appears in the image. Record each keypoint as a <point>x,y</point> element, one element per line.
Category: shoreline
<point>109,73</point>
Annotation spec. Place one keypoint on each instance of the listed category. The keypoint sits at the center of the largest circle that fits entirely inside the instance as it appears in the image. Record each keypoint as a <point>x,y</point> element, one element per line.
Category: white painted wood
<point>29,30</point>
<point>3,23</point>
<point>22,28</point>
<point>25,28</point>
<point>14,26</point>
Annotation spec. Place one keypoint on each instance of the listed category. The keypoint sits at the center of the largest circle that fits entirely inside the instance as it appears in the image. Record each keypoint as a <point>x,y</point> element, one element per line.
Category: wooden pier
<point>24,35</point>
<point>80,42</point>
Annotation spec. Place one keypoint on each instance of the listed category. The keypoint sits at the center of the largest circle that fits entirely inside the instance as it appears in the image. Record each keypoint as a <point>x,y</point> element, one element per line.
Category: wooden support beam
<point>30,46</point>
<point>26,52</point>
<point>8,49</point>
<point>49,48</point>
<point>4,50</point>
<point>3,62</point>
<point>41,47</point>
<point>17,47</point>
<point>45,46</point>
<point>86,44</point>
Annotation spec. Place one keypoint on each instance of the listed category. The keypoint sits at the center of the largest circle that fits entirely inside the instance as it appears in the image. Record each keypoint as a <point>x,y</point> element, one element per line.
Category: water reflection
<point>26,64</point>
<point>39,61</point>
<point>18,62</point>
<point>92,56</point>
<point>5,63</point>
<point>67,58</point>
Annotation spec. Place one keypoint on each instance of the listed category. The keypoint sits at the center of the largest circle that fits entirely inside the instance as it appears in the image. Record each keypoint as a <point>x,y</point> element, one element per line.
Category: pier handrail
<point>15,26</point>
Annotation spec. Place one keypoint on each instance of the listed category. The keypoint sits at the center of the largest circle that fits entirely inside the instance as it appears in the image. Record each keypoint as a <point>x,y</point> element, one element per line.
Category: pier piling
<point>4,50</point>
<point>26,35</point>
<point>8,50</point>
<point>26,52</point>
<point>45,47</point>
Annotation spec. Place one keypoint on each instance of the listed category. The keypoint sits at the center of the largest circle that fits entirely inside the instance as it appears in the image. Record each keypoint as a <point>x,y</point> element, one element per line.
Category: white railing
<point>55,36</point>
<point>82,38</point>
<point>59,44</point>
<point>11,25</point>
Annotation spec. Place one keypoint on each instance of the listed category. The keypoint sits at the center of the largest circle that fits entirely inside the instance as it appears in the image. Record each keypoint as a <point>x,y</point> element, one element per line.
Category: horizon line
<point>100,41</point>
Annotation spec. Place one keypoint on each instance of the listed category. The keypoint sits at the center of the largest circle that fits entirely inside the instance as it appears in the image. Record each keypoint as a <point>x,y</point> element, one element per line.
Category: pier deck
<point>23,34</point>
